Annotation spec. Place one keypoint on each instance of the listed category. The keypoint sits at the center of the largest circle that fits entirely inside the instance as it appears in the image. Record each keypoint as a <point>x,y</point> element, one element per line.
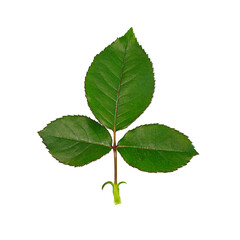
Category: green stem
<point>115,185</point>
<point>115,156</point>
<point>117,199</point>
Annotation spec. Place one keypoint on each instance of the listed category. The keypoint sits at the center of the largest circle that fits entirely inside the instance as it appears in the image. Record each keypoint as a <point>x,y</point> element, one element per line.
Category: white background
<point>46,48</point>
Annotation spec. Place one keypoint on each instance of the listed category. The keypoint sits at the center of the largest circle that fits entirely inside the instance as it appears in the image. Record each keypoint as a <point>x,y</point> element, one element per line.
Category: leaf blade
<point>156,148</point>
<point>76,140</point>
<point>119,84</point>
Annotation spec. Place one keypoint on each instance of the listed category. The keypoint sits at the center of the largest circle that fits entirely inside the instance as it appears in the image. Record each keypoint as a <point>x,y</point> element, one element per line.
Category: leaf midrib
<point>144,148</point>
<point>119,86</point>
<point>81,141</point>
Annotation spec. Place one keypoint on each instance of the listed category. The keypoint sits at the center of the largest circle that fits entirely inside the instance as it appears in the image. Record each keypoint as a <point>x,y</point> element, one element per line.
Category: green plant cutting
<point>119,86</point>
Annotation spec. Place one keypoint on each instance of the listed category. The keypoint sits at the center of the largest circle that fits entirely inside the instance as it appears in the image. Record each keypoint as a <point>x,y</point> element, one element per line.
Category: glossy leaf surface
<point>156,148</point>
<point>120,83</point>
<point>76,140</point>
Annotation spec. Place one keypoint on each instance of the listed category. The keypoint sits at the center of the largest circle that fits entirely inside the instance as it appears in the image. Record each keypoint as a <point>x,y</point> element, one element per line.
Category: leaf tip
<point>130,34</point>
<point>130,29</point>
<point>39,133</point>
<point>196,152</point>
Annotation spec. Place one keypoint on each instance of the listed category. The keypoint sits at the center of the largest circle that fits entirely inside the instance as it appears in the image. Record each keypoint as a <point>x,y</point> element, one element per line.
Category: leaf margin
<point>195,153</point>
<point>49,151</point>
<point>140,113</point>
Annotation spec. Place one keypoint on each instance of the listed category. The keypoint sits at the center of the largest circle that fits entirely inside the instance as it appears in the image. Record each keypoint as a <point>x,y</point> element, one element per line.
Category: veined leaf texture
<point>120,83</point>
<point>119,86</point>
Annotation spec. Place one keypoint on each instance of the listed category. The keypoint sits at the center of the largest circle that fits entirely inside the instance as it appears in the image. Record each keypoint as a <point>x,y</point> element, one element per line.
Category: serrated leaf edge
<point>119,146</point>
<point>39,133</point>
<point>153,81</point>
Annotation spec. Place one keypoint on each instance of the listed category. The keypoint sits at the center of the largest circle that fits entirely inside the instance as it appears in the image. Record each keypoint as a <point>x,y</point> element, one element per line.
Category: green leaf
<point>156,148</point>
<point>120,83</point>
<point>76,140</point>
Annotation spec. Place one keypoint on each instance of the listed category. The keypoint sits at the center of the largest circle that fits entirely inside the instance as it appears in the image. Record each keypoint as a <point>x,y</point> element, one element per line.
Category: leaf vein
<point>119,86</point>
<point>145,148</point>
<point>106,95</point>
<point>84,141</point>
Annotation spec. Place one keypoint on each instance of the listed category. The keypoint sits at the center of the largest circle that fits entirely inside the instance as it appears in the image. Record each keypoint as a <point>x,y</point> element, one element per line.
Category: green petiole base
<point>116,195</point>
